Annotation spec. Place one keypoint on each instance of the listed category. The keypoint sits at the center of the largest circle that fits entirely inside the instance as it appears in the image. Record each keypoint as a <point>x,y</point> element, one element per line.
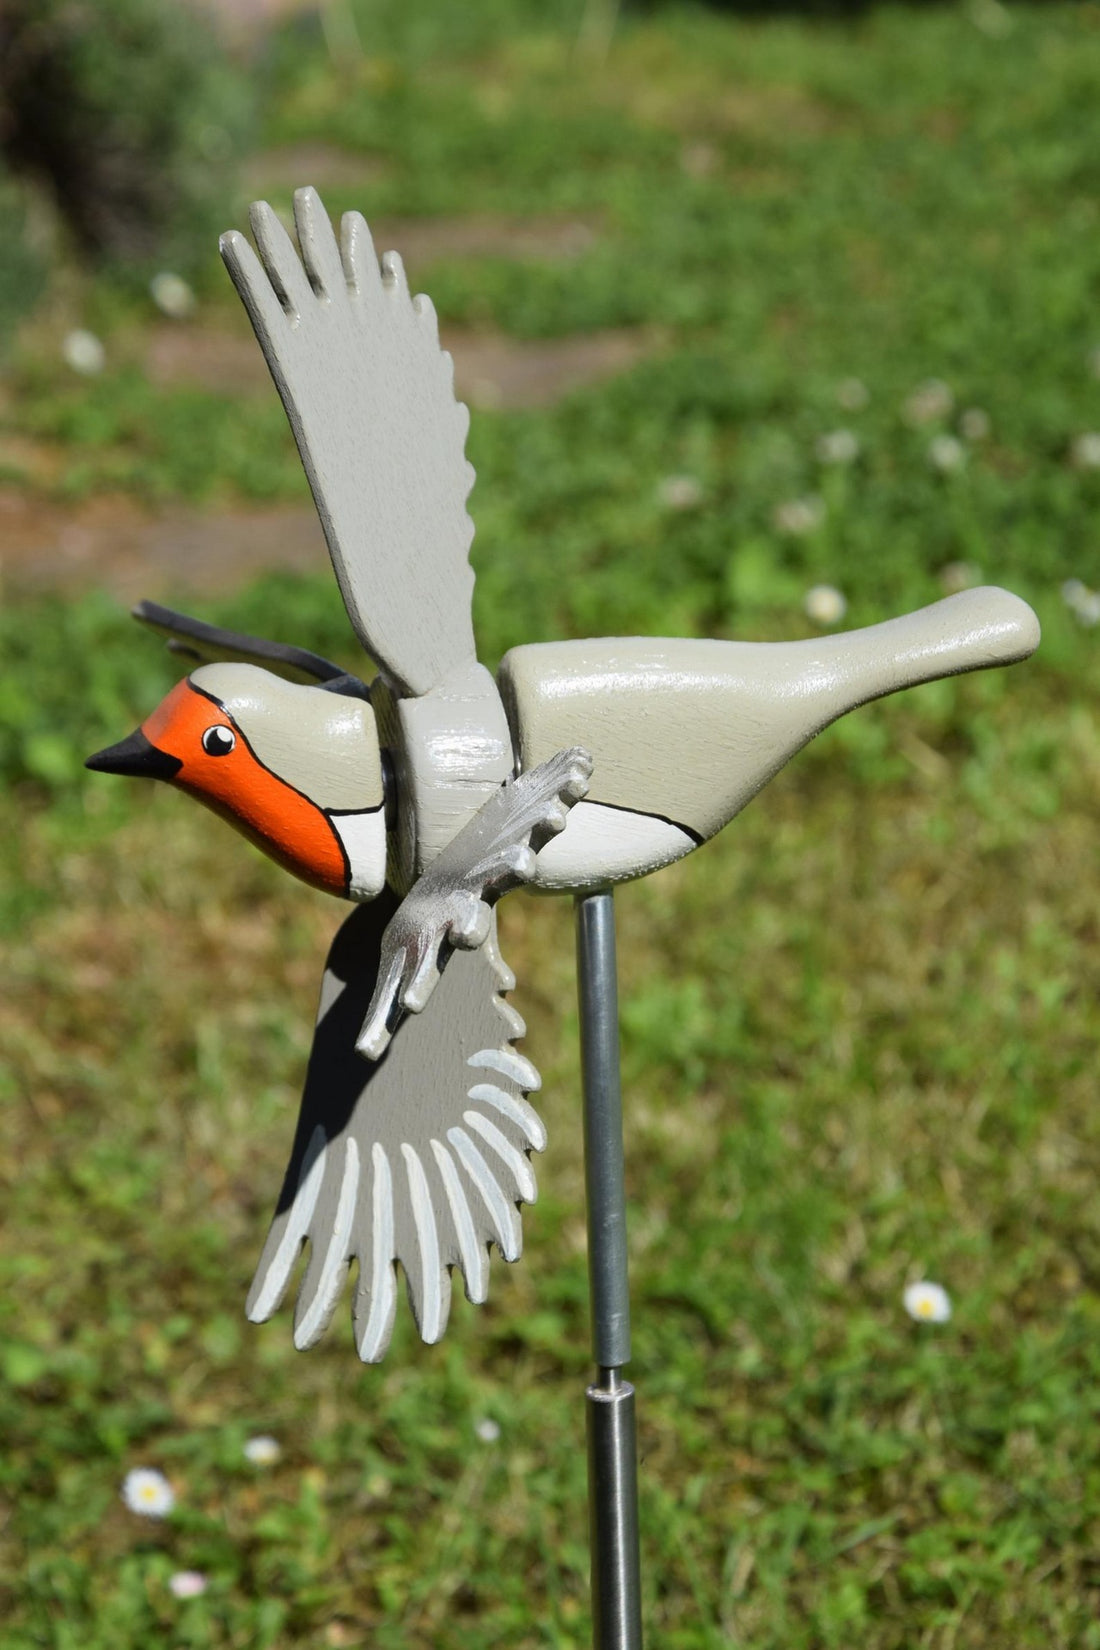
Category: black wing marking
<point>210,644</point>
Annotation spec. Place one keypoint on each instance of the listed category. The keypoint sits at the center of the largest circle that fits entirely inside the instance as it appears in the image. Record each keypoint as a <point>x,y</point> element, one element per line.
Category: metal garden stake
<point>427,794</point>
<point>612,1455</point>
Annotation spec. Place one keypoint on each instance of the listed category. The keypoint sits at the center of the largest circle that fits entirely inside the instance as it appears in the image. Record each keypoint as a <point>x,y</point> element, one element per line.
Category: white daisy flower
<point>1086,450</point>
<point>187,1584</point>
<point>263,1451</point>
<point>487,1430</point>
<point>974,424</point>
<point>992,18</point>
<point>799,516</point>
<point>679,492</point>
<point>83,352</point>
<point>929,401</point>
<point>852,394</point>
<point>172,295</point>
<point>927,1302</point>
<point>1082,602</point>
<point>959,575</point>
<point>838,447</point>
<point>824,605</point>
<point>147,1492</point>
<point>698,160</point>
<point>946,453</point>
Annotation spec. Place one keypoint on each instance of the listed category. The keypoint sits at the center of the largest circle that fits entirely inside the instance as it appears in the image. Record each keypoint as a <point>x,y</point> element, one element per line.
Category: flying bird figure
<point>428,793</point>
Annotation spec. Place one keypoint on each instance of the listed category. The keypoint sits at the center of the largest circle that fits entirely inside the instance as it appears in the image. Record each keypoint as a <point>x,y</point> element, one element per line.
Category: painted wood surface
<point>370,398</point>
<point>684,733</point>
<point>420,1157</point>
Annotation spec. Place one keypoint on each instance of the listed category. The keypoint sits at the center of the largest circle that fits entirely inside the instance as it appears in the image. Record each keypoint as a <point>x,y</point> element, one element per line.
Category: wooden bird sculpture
<point>427,794</point>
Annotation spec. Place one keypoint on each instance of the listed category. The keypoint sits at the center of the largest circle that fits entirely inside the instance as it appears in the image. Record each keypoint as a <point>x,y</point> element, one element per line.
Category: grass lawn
<point>859,1029</point>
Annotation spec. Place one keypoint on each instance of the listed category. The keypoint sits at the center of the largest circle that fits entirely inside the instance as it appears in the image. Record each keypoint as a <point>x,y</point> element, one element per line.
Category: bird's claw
<point>451,904</point>
<point>469,927</point>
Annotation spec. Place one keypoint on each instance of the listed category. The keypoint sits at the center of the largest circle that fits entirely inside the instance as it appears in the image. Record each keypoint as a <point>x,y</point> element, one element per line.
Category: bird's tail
<point>970,631</point>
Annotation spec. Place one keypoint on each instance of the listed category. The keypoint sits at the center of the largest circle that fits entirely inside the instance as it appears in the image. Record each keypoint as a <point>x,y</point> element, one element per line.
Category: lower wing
<point>419,1158</point>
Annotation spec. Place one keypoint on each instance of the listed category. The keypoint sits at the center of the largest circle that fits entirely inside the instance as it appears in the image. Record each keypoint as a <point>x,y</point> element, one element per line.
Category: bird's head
<point>297,769</point>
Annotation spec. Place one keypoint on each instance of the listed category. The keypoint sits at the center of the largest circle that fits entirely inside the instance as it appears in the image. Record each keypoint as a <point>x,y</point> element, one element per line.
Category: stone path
<point>116,543</point>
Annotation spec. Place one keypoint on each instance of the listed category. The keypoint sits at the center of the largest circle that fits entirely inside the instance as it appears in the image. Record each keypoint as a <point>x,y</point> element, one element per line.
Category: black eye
<point>218,740</point>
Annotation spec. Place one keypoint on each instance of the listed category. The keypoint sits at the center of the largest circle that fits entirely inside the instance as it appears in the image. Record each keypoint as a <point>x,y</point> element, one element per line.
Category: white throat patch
<point>363,836</point>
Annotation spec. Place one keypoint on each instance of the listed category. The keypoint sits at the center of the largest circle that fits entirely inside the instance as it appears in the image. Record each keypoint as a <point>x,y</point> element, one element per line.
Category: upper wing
<point>418,1158</point>
<point>370,398</point>
<point>195,639</point>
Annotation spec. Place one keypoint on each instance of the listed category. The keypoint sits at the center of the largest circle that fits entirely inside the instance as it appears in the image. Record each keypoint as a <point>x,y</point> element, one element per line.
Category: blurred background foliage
<point>126,113</point>
<point>747,299</point>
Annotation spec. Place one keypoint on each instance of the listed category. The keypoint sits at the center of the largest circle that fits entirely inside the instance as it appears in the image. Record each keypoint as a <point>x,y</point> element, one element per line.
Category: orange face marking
<point>272,814</point>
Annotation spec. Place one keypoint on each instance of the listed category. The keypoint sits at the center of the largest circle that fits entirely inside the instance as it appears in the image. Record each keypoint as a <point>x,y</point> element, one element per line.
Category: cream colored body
<point>684,733</point>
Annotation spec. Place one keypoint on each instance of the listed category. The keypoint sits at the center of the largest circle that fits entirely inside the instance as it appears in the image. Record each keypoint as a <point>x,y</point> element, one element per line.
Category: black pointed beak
<point>136,756</point>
